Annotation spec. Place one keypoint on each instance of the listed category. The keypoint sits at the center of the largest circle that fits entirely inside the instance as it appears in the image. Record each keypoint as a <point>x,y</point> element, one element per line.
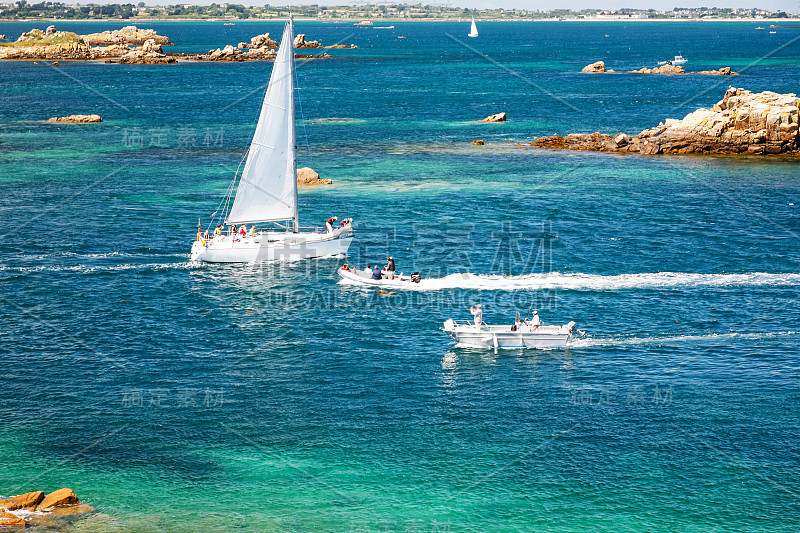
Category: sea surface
<point>182,397</point>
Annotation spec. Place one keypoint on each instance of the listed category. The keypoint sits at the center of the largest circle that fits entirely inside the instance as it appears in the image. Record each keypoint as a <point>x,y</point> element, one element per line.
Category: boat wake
<point>712,338</point>
<point>593,282</point>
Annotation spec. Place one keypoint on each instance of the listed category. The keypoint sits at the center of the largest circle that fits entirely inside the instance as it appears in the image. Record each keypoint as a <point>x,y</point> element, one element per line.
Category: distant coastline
<point>136,21</point>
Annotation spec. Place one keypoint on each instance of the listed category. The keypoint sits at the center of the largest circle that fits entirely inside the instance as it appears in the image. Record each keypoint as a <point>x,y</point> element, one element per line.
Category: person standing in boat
<point>477,312</point>
<point>536,321</point>
<point>243,230</point>
<point>389,268</point>
<point>329,224</point>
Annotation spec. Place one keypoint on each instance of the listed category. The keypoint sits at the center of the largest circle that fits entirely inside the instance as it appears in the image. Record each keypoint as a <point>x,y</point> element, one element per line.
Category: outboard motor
<point>416,277</point>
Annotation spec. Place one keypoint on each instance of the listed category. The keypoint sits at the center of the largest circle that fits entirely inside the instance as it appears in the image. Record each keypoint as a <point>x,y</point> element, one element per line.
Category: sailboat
<point>473,31</point>
<point>266,195</point>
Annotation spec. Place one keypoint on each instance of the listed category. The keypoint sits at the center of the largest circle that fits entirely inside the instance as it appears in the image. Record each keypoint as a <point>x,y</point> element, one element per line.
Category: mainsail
<point>473,31</point>
<point>268,187</point>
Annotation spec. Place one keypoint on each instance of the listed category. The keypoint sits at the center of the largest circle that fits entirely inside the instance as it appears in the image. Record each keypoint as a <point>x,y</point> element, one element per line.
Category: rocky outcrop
<point>62,45</point>
<point>260,41</point>
<point>11,521</point>
<point>599,67</point>
<point>151,46</point>
<point>81,119</point>
<point>140,57</point>
<point>117,48</point>
<point>663,69</point>
<point>307,176</point>
<point>742,122</point>
<point>34,508</point>
<point>130,35</point>
<point>61,50</point>
<point>300,42</point>
<point>499,117</point>
<point>29,500</point>
<point>594,68</point>
<point>58,498</point>
<point>724,71</point>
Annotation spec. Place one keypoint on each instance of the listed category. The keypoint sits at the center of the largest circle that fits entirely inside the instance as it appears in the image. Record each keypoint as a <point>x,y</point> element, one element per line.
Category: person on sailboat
<point>329,224</point>
<point>218,231</point>
<point>389,268</point>
<point>243,230</point>
<point>253,229</point>
<point>205,235</point>
<point>477,312</point>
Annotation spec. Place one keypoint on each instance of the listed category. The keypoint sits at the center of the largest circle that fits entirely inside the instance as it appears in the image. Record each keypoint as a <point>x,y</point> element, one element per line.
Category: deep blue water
<point>183,397</point>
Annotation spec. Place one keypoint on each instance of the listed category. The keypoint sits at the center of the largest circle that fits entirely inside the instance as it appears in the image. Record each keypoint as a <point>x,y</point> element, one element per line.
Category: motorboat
<point>354,276</point>
<point>520,334</point>
<point>679,60</point>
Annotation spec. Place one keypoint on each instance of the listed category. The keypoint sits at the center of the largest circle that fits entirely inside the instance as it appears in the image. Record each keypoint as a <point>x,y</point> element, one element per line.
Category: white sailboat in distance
<point>473,31</point>
<point>266,195</point>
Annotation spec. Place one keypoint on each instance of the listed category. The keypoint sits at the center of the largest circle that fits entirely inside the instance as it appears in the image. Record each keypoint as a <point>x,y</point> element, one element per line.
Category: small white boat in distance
<point>679,60</point>
<point>473,31</point>
<point>521,334</point>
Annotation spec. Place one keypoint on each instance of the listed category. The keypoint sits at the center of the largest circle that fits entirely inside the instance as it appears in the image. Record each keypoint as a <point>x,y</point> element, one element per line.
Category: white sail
<point>267,190</point>
<point>473,31</point>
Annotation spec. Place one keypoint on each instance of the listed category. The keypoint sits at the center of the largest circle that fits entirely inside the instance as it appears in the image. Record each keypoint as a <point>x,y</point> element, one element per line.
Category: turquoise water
<point>180,397</point>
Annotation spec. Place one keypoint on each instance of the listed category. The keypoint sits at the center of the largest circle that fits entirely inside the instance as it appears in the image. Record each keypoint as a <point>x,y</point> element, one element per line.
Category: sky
<point>790,6</point>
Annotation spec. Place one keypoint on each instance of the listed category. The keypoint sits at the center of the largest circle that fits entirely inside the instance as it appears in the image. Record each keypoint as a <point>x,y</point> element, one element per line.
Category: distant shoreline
<point>128,22</point>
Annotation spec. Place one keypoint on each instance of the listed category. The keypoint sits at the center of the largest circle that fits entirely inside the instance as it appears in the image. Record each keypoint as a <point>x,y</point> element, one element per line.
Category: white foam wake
<point>723,338</point>
<point>594,282</point>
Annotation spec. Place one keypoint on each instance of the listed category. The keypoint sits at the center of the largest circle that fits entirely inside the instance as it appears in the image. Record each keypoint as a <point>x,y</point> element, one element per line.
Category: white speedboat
<point>266,191</point>
<point>517,335</point>
<point>473,30</point>
<point>399,281</point>
<point>679,60</point>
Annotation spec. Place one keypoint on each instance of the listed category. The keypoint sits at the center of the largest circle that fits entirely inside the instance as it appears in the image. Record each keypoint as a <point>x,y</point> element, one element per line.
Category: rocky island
<point>37,509</point>
<point>599,67</point>
<point>131,45</point>
<point>742,122</point>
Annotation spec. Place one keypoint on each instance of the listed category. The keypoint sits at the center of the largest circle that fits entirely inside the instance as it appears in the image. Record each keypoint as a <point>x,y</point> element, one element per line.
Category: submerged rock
<point>81,119</point>
<point>11,521</point>
<point>741,123</point>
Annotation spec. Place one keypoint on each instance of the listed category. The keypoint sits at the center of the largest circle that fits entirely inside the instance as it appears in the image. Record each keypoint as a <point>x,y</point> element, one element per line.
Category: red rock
<point>8,520</point>
<point>23,501</point>
<point>58,498</point>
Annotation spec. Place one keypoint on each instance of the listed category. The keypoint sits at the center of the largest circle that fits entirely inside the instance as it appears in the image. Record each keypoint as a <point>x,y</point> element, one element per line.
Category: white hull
<point>272,246</point>
<point>468,335</point>
<point>400,281</point>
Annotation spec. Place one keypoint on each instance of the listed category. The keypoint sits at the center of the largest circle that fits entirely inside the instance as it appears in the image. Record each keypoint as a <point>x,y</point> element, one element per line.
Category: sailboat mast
<point>293,134</point>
